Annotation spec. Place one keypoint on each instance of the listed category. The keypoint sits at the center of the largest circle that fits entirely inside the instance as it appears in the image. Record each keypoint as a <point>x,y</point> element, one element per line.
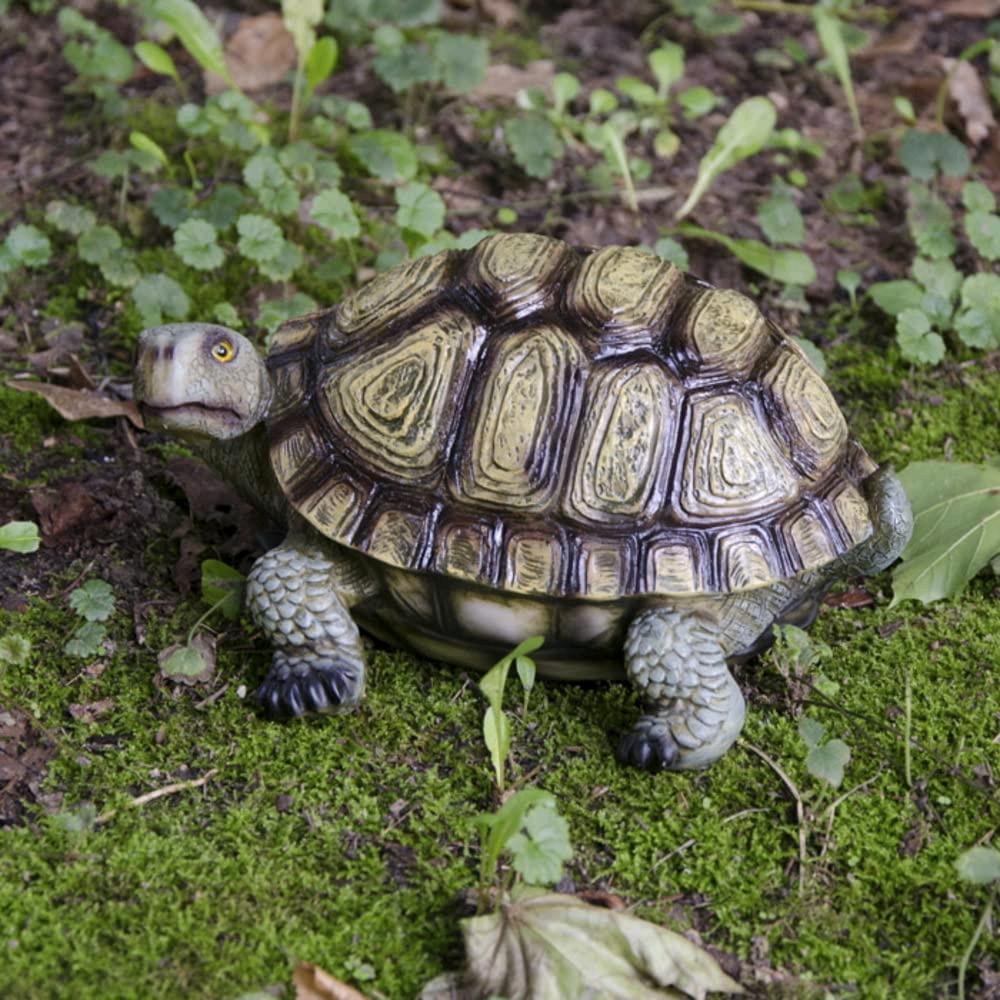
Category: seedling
<point>19,536</point>
<point>94,601</point>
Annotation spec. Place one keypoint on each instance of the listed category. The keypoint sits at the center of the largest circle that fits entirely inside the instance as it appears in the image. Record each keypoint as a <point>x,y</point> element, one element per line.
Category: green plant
<point>19,536</point>
<point>94,601</point>
<point>979,866</point>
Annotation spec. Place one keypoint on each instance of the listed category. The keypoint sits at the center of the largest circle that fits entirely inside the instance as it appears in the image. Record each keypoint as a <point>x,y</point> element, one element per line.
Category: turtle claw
<point>294,688</point>
<point>649,745</point>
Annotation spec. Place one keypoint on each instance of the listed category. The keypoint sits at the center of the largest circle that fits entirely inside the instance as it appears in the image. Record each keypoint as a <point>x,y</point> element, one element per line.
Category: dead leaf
<point>856,597</point>
<point>189,663</point>
<point>63,341</point>
<point>313,983</point>
<point>967,91</point>
<point>503,81</point>
<point>79,404</point>
<point>91,712</point>
<point>259,53</point>
<point>64,508</point>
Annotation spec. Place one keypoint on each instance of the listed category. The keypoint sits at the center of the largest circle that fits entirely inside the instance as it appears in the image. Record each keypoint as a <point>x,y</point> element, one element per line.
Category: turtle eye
<point>223,351</point>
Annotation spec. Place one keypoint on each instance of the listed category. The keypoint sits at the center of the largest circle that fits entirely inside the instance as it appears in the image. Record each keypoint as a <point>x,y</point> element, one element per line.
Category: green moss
<point>26,419</point>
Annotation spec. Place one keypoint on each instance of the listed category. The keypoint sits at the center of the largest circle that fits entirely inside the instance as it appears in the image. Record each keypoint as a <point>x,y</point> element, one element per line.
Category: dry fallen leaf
<point>62,342</point>
<point>313,983</point>
<point>259,54</point>
<point>967,91</point>
<point>65,507</point>
<point>503,81</point>
<point>93,711</point>
<point>79,404</point>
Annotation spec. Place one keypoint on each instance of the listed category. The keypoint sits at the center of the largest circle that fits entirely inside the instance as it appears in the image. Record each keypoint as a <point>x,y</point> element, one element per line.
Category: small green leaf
<point>979,865</point>
<point>157,296</point>
<point>334,211</point>
<point>421,209</point>
<point>983,230</point>
<point>29,246</point>
<point>956,528</point>
<point>975,328</point>
<point>150,147</point>
<point>195,244</point>
<point>979,324</point>
<point>496,735</point>
<point>19,536</point>
<point>156,59</point>
<point>904,108</point>
<point>780,219</point>
<point>977,197</point>
<point>461,60</point>
<point>274,312</point>
<point>637,91</point>
<point>386,155</point>
<point>183,662</point>
<point>813,354</point>
<point>744,133</point>
<point>793,267</point>
<point>120,269</point>
<point>850,281</point>
<point>526,670</point>
<point>669,249</point>
<point>667,65</point>
<point>939,277</point>
<point>86,641</point>
<point>895,296</point>
<point>827,762</point>
<point>71,219</point>
<point>226,314</point>
<point>696,102</point>
<point>93,600</point>
<point>565,88</point>
<point>98,245</point>
<point>222,585</point>
<point>196,34</point>
<point>830,31</point>
<point>15,649</point>
<point>260,238</point>
<point>539,852</point>
<point>405,67</point>
<point>534,144</point>
<point>924,154</point>
<point>916,341</point>
<point>171,206</point>
<point>321,61</point>
<point>811,731</point>
<point>930,222</point>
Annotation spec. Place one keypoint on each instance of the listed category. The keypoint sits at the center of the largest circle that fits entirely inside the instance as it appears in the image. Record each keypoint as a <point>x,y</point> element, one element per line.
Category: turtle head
<point>200,380</point>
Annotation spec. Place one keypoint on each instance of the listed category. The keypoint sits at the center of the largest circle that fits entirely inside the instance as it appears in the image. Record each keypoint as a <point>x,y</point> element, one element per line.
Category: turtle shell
<point>542,419</point>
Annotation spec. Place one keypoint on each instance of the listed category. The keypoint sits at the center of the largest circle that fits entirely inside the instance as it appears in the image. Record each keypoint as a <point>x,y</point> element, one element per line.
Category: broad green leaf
<point>282,266</point>
<point>930,222</point>
<point>157,59</point>
<point>917,342</point>
<point>979,865</point>
<point>496,735</point>
<point>940,277</point>
<point>406,67</point>
<point>19,536</point>
<point>976,328</point>
<point>334,211</point>
<point>924,154</point>
<point>222,585</point>
<point>321,61</point>
<point>226,314</point>
<point>667,65</point>
<point>272,186</point>
<point>71,219</point>
<point>895,296</point>
<point>260,238</point>
<point>670,250</point>
<point>121,269</point>
<point>171,206</point>
<point>551,946</point>
<point>829,30</point>
<point>565,88</point>
<point>150,147</point>
<point>196,34</point>
<point>539,851</point>
<point>811,731</point>
<point>696,102</point>
<point>534,144</point>
<point>746,131</point>
<point>793,267</point>
<point>850,281</point>
<point>461,60</point>
<point>195,244</point>
<point>157,296</point>
<point>977,197</point>
<point>983,230</point>
<point>87,640</point>
<point>979,326</point>
<point>15,649</point>
<point>99,244</point>
<point>956,529</point>
<point>93,600</point>
<point>386,155</point>
<point>500,826</point>
<point>637,91</point>
<point>827,762</point>
<point>28,246</point>
<point>421,208</point>
<point>780,219</point>
<point>185,661</point>
<point>526,670</point>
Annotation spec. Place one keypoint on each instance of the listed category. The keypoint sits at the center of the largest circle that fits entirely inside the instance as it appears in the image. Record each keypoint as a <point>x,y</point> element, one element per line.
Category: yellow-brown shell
<point>545,420</point>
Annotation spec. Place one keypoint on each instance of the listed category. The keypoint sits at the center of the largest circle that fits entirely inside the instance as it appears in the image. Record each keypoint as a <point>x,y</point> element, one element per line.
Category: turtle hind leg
<point>695,708</point>
<point>893,517</point>
<point>297,593</point>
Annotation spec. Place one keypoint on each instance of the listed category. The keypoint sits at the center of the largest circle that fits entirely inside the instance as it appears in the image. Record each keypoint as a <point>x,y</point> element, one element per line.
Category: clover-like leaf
<point>549,946</point>
<point>99,244</point>
<point>421,208</point>
<point>939,277</point>
<point>930,222</point>
<point>67,218</point>
<point>334,211</point>
<point>917,341</point>
<point>260,238</point>
<point>158,295</point>
<point>541,848</point>
<point>87,640</point>
<point>93,600</point>
<point>956,528</point>
<point>827,762</point>
<point>925,154</point>
<point>983,230</point>
<point>534,144</point>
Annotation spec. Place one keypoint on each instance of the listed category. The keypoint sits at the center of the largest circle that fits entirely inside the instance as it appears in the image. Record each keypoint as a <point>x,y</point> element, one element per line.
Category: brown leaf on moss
<point>258,53</point>
<point>79,404</point>
<point>24,752</point>
<point>64,508</point>
<point>313,983</point>
<point>92,711</point>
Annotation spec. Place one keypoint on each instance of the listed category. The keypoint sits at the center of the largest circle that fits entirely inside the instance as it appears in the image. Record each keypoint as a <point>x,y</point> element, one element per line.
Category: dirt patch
<point>24,753</point>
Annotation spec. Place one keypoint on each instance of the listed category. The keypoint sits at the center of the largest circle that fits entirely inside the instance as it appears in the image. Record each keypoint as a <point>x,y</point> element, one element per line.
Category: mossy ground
<point>345,841</point>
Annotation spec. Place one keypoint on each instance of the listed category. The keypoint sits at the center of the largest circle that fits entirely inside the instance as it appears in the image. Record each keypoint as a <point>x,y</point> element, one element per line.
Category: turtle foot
<point>309,685</point>
<point>649,745</point>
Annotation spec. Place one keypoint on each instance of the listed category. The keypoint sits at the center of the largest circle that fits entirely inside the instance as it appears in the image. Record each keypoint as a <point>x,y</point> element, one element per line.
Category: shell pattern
<point>545,420</point>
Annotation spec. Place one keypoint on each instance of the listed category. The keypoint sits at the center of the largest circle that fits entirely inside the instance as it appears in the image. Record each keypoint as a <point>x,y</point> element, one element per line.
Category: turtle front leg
<point>299,594</point>
<point>695,708</point>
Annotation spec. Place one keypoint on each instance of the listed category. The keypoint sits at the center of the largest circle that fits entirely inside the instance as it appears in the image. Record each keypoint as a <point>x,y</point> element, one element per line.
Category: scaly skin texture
<point>300,594</point>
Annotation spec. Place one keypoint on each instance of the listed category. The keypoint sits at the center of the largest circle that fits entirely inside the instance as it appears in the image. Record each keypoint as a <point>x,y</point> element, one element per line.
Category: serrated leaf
<point>979,865</point>
<point>744,133</point>
<point>983,230</point>
<point>98,245</point>
<point>405,67</point>
<point>222,583</point>
<point>827,762</point>
<point>196,34</point>
<point>930,222</point>
<point>29,246</point>
<point>550,946</point>
<point>917,342</point>
<point>534,144</point>
<point>334,211</point>
<point>793,267</point>
<point>780,219</point>
<point>67,218</point>
<point>386,155</point>
<point>924,154</point>
<point>121,269</point>
<point>538,853</point>
<point>86,641</point>
<point>811,731</point>
<point>19,536</point>
<point>260,238</point>
<point>421,209</point>
<point>895,296</point>
<point>977,197</point>
<point>93,600</point>
<point>939,277</point>
<point>956,528</point>
<point>461,60</point>
<point>15,649</point>
<point>195,244</point>
<point>158,295</point>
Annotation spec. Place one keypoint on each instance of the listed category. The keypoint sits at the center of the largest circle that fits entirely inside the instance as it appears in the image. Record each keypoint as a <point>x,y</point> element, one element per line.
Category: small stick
<point>159,793</point>
<point>799,809</point>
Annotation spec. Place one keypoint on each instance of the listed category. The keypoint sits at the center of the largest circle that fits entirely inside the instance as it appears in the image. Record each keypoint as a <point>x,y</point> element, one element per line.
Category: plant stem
<point>806,10</point>
<point>907,730</point>
<point>194,628</point>
<point>963,965</point>
<point>293,121</point>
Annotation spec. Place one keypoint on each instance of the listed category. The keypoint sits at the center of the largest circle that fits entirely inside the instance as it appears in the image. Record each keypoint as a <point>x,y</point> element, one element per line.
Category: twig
<point>677,850</point>
<point>159,793</point>
<point>799,808</point>
<point>214,697</point>
<point>907,729</point>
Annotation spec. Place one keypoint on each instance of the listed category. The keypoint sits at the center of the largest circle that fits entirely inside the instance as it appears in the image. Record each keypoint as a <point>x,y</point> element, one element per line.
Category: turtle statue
<point>529,438</point>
